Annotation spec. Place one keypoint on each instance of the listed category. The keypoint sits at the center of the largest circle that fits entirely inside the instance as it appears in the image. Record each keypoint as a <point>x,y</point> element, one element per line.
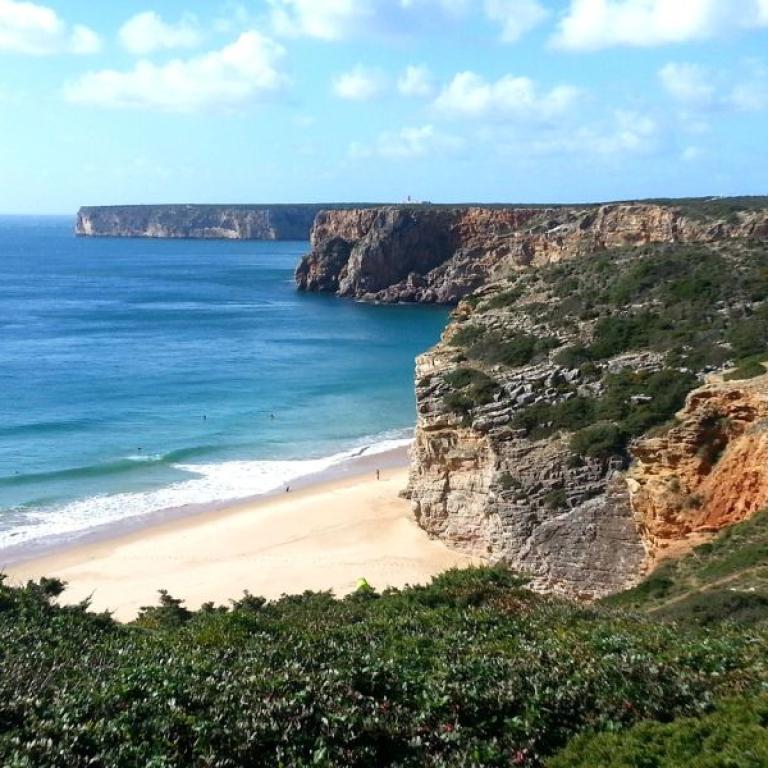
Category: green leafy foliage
<point>665,298</point>
<point>496,347</point>
<point>747,370</point>
<point>471,670</point>
<point>469,388</point>
<point>734,736</point>
<point>599,441</point>
<point>631,404</point>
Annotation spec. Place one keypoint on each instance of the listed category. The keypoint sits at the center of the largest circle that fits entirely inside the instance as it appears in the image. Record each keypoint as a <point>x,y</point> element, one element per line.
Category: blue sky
<point>376,100</point>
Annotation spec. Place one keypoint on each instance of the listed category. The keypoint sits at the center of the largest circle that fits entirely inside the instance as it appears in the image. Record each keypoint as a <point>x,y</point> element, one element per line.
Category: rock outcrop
<point>489,490</point>
<point>233,222</point>
<point>707,472</point>
<point>440,254</point>
<point>577,330</point>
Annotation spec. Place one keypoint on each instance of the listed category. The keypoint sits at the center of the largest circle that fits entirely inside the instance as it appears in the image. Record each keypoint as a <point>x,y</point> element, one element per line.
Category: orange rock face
<point>707,472</point>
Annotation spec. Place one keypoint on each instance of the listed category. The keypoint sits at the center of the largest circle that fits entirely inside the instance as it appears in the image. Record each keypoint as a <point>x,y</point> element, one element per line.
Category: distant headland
<point>204,222</point>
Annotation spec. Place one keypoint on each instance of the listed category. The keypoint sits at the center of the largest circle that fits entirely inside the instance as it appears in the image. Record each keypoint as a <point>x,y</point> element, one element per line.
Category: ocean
<point>146,375</point>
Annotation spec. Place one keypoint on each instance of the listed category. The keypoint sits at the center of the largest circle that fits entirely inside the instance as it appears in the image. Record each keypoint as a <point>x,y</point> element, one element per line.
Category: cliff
<point>574,422</point>
<point>234,222</point>
<point>440,254</point>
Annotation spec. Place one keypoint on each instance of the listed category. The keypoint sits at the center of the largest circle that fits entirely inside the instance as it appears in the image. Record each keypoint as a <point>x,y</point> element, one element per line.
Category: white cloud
<point>360,84</point>
<point>516,17</point>
<point>38,31</point>
<point>408,143</point>
<point>147,32</point>
<point>627,133</point>
<point>698,88</point>
<point>595,24</point>
<point>416,81</point>
<point>688,83</point>
<point>343,19</point>
<point>470,95</point>
<point>750,97</point>
<point>323,19</point>
<point>690,154</point>
<point>237,74</point>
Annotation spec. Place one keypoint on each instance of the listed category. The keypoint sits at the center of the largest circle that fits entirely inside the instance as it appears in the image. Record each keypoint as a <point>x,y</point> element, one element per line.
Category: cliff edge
<point>598,399</point>
<point>233,222</point>
<point>440,254</point>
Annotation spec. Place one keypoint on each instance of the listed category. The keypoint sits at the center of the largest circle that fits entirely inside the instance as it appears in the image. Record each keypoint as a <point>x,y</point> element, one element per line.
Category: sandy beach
<point>324,536</point>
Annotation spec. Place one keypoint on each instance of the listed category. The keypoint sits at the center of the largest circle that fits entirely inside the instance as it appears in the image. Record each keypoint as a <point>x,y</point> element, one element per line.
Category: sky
<point>259,101</point>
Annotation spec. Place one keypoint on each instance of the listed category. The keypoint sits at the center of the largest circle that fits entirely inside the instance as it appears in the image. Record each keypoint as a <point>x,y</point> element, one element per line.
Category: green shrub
<point>470,388</point>
<point>749,337</point>
<point>505,298</point>
<point>466,335</point>
<point>573,356</point>
<point>734,736</point>
<point>614,335</point>
<point>544,418</point>
<point>472,670</point>
<point>748,370</point>
<point>599,441</point>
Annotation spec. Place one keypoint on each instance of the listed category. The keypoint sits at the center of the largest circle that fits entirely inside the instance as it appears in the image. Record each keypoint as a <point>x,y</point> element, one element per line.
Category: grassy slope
<point>722,584</point>
<point>725,578</point>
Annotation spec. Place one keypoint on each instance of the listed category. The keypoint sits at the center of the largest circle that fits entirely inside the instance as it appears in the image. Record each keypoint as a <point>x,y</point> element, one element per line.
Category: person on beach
<point>287,488</point>
<point>378,475</point>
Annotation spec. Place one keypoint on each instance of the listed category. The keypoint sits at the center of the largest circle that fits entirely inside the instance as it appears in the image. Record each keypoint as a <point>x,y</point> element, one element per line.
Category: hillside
<point>724,578</point>
<point>472,670</point>
<point>565,425</point>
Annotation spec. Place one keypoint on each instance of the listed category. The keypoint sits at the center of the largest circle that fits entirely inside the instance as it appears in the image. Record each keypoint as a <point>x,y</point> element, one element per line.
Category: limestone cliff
<point>535,437</point>
<point>546,433</point>
<point>442,253</point>
<point>708,471</point>
<point>234,222</point>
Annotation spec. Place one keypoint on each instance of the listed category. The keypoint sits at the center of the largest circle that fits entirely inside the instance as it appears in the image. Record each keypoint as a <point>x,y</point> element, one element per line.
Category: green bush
<point>616,334</point>
<point>574,356</point>
<point>470,388</point>
<point>544,419</point>
<point>749,336</point>
<point>734,736</point>
<point>471,670</point>
<point>466,335</point>
<point>599,441</point>
<point>748,370</point>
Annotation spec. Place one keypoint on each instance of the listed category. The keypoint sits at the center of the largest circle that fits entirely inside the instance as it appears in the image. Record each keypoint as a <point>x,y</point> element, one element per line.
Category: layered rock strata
<point>438,254</point>
<point>580,523</point>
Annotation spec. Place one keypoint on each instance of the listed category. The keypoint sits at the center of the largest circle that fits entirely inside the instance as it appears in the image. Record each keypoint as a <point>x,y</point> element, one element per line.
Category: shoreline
<point>324,535</point>
<point>356,463</point>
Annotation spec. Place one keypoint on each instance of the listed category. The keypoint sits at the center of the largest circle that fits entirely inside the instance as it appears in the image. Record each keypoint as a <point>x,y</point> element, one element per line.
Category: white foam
<point>207,483</point>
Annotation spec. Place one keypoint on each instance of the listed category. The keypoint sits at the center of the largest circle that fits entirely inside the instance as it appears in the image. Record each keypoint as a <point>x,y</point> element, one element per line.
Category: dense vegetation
<point>723,582</point>
<point>472,670</point>
<point>734,736</point>
<point>686,309</point>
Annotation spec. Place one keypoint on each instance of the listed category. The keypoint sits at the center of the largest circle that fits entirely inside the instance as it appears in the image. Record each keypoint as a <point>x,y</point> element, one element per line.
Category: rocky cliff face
<point>442,254</point>
<point>565,425</point>
<point>709,471</point>
<point>536,436</point>
<point>239,222</point>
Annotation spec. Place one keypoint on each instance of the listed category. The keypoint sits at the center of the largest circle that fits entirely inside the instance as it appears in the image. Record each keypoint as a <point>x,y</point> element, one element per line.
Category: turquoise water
<point>138,375</point>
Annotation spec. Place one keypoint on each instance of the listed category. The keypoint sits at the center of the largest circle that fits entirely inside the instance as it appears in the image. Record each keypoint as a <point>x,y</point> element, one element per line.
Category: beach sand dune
<point>326,536</point>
